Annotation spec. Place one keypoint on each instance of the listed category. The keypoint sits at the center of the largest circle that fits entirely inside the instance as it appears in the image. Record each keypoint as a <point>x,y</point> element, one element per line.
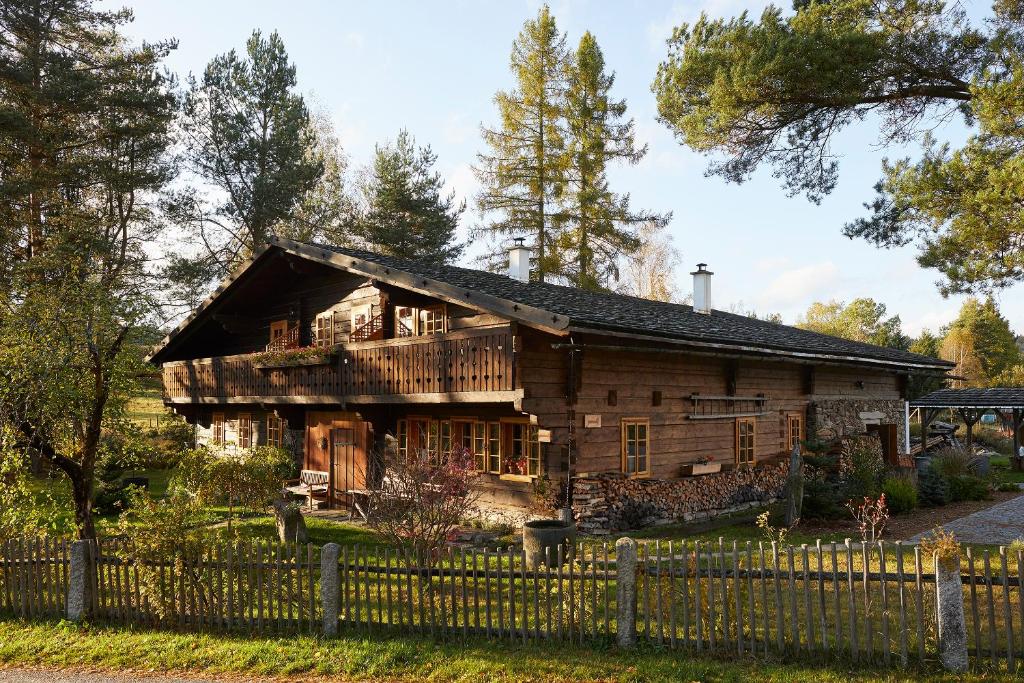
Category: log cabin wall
<point>616,385</point>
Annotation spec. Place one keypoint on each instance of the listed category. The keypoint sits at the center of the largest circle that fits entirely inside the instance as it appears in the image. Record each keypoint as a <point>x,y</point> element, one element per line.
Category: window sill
<point>517,477</point>
<point>637,475</point>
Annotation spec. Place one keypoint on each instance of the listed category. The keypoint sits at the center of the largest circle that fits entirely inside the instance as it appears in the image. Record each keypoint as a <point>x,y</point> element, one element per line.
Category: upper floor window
<point>282,336</point>
<point>432,320</point>
<point>360,316</point>
<point>324,329</point>
<point>405,321</point>
<point>636,451</point>
<point>745,440</point>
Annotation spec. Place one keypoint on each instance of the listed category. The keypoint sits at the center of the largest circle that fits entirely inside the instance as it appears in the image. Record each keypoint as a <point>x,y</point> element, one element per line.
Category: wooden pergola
<point>971,404</point>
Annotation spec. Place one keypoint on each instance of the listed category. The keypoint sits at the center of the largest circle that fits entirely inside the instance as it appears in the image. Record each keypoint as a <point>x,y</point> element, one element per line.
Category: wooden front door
<point>338,443</point>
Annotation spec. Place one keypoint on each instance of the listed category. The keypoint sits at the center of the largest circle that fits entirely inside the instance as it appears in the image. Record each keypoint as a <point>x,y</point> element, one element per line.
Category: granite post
<point>952,626</point>
<point>330,597</point>
<point>625,581</point>
<point>78,581</point>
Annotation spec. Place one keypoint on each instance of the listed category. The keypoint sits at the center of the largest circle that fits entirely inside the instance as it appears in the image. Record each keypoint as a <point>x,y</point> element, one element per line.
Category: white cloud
<point>457,128</point>
<point>355,39</point>
<point>799,286</point>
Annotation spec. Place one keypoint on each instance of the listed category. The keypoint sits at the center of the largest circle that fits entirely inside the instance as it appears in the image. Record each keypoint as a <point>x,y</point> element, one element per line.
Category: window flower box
<point>699,468</point>
<point>294,358</point>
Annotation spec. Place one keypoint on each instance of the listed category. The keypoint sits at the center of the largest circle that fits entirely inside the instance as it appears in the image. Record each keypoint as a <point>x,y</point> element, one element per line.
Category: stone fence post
<point>330,596</point>
<point>79,574</point>
<point>625,582</point>
<point>952,627</point>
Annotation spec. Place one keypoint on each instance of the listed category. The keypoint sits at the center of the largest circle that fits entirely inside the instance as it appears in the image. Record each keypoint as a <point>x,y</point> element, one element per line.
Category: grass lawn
<point>60,644</point>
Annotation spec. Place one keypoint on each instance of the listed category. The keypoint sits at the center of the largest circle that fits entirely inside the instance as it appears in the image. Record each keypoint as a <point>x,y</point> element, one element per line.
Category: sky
<point>375,67</point>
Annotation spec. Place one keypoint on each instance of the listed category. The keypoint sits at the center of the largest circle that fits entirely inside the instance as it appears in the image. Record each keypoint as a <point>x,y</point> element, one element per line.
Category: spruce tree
<point>405,213</point>
<point>597,225</point>
<point>522,175</point>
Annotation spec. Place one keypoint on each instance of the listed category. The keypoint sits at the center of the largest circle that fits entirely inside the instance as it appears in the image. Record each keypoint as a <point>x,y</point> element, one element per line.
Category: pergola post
<point>1016,461</point>
<point>970,417</point>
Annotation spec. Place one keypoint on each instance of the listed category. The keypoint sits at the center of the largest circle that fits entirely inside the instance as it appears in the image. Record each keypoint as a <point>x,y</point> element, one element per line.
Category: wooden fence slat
<point>903,604</point>
<point>974,603</point>
<point>1004,574</point>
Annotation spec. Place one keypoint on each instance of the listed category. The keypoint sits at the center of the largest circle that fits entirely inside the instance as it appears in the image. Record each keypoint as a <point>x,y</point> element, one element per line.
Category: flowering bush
<point>872,515</point>
<point>422,498</point>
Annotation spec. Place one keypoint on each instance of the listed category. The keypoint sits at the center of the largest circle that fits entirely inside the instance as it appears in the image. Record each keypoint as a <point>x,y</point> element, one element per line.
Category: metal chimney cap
<point>518,242</point>
<point>702,270</point>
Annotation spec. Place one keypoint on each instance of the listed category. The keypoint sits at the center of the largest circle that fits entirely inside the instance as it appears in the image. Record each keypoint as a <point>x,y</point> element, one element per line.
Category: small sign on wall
<point>591,421</point>
<point>544,435</point>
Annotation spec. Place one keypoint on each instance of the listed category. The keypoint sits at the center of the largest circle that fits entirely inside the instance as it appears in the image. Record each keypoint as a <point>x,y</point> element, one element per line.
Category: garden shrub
<point>951,462</point>
<point>967,487</point>
<point>823,499</point>
<point>993,439</point>
<point>900,494</point>
<point>932,487</point>
<point>861,466</point>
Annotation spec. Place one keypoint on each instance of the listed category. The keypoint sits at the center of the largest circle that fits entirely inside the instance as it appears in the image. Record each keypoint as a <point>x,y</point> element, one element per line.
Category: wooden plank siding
<point>475,360</point>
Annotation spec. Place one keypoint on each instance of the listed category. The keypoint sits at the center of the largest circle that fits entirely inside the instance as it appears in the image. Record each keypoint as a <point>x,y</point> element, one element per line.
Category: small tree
<point>422,498</point>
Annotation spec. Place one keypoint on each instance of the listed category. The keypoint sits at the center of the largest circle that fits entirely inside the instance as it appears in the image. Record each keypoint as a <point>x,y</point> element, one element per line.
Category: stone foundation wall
<point>604,503</point>
<point>832,419</point>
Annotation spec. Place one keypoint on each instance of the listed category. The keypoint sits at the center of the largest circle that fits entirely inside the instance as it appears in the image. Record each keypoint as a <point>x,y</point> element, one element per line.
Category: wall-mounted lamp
<point>859,384</point>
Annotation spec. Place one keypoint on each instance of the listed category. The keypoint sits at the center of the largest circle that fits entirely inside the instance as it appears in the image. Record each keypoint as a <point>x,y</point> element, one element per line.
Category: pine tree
<point>598,226</point>
<point>247,135</point>
<point>405,212</point>
<point>522,175</point>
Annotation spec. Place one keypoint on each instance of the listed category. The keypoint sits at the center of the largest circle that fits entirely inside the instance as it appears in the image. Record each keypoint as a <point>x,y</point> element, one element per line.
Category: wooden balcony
<point>466,366</point>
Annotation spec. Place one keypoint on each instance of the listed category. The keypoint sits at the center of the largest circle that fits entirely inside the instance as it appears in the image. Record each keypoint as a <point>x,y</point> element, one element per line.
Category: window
<point>636,450</point>
<point>494,447</point>
<point>794,430</point>
<point>432,320</point>
<point>278,330</point>
<point>523,457</point>
<point>324,331</point>
<point>244,430</point>
<point>479,447</point>
<point>217,429</point>
<point>360,316</point>
<point>275,430</point>
<point>446,437</point>
<point>419,436</point>
<point>403,438</point>
<point>405,321</point>
<point>745,440</point>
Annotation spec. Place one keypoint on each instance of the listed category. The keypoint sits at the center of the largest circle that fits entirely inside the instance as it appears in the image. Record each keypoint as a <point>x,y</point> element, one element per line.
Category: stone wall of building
<point>603,503</point>
<point>832,419</point>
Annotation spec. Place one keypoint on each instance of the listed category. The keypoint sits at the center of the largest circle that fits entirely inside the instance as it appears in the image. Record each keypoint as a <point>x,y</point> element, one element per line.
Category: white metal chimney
<point>519,260</point>
<point>702,289</point>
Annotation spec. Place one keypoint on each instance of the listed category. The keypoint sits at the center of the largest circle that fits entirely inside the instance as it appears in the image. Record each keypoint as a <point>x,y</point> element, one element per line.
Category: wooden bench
<point>309,484</point>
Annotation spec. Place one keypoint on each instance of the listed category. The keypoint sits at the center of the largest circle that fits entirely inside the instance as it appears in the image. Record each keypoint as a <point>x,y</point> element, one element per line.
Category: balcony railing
<point>467,361</point>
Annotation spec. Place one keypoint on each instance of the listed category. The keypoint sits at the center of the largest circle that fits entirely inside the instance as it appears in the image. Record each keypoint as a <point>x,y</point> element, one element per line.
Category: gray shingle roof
<point>621,313</point>
<point>971,398</point>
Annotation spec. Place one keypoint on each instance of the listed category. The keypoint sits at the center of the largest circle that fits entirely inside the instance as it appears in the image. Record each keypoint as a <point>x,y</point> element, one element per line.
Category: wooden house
<point>326,350</point>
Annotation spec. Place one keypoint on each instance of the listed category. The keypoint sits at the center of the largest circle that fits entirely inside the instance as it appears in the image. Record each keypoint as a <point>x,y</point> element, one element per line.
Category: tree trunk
<point>81,492</point>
